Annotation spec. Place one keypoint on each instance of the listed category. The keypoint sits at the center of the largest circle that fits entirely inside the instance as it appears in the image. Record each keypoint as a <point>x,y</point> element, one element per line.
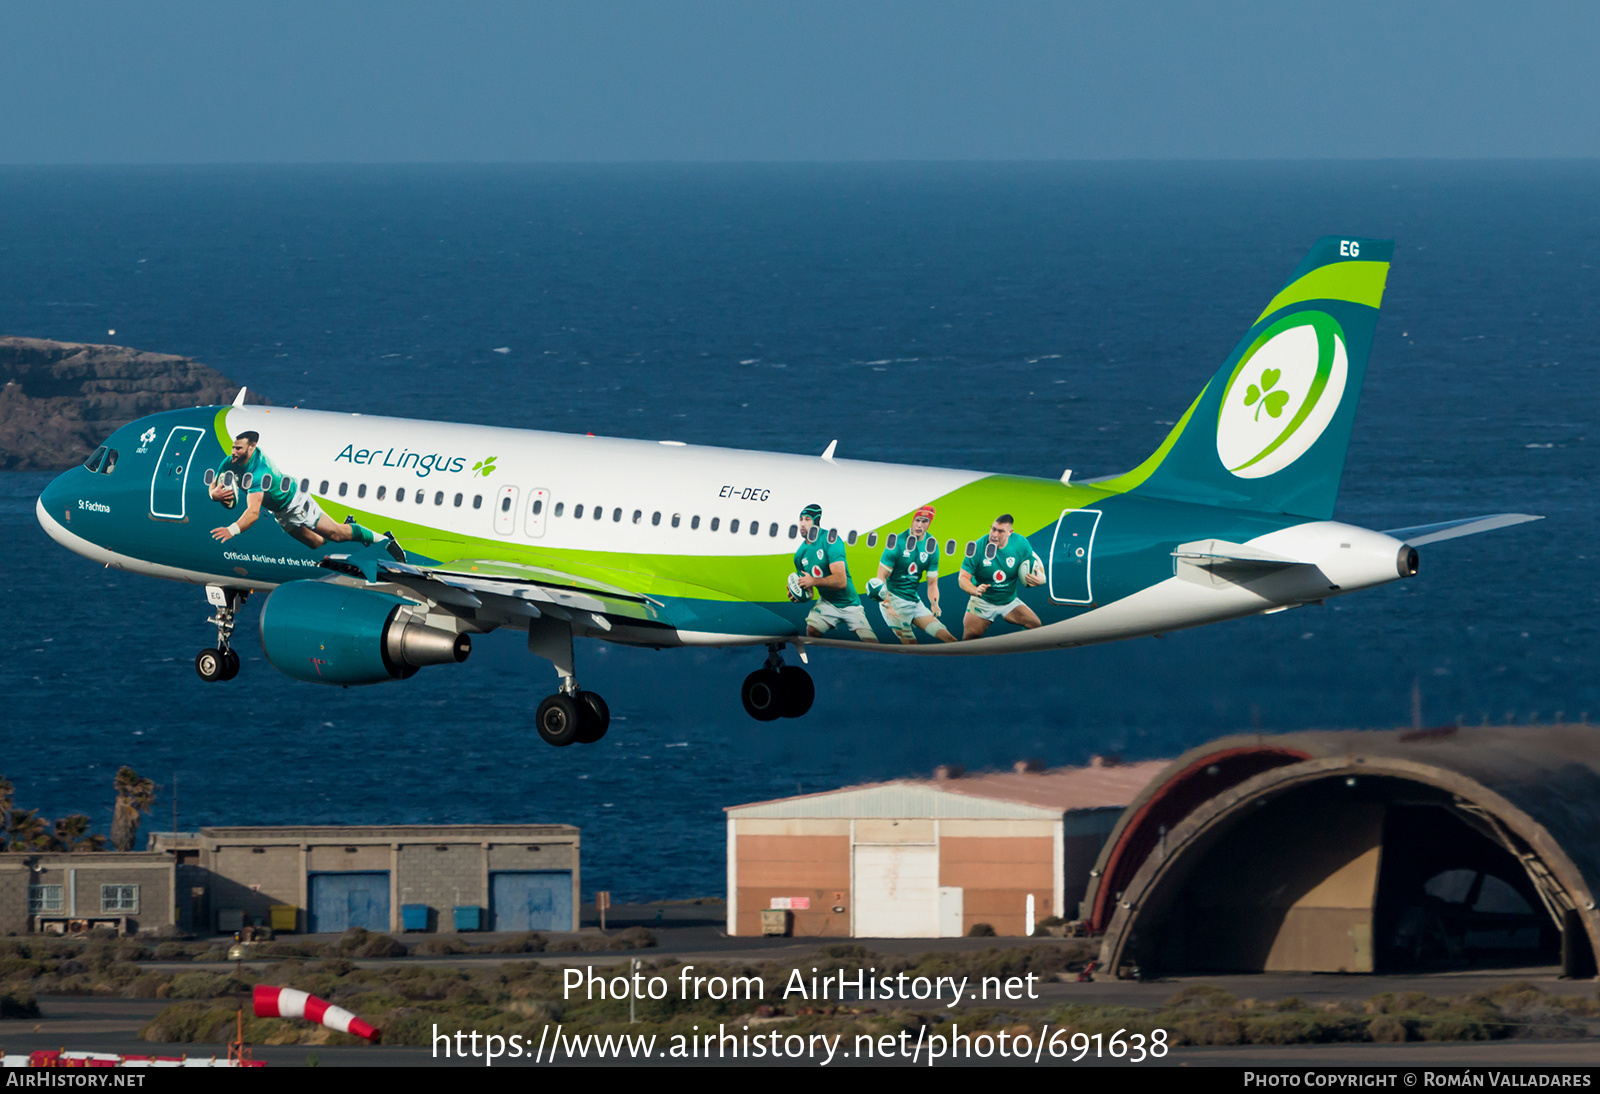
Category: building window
<point>119,898</point>
<point>44,898</point>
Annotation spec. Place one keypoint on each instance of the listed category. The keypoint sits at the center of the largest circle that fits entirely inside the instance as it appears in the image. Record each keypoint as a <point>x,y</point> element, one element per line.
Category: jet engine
<point>326,633</point>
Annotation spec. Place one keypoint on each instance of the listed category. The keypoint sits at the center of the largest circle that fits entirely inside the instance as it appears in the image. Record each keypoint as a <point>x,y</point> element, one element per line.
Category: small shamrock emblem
<point>1273,401</point>
<point>484,467</point>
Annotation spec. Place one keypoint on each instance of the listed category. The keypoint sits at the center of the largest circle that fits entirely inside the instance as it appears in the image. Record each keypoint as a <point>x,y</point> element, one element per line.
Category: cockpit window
<point>110,463</point>
<point>93,462</point>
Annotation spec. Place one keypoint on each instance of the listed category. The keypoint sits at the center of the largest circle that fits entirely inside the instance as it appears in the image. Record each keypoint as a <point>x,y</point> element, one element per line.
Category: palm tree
<point>7,791</point>
<point>28,830</point>
<point>135,795</point>
<point>72,833</point>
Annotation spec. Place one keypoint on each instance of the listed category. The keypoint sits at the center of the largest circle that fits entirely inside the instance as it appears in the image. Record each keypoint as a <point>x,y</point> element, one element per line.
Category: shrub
<point>18,1005</point>
<point>379,945</point>
<point>981,930</point>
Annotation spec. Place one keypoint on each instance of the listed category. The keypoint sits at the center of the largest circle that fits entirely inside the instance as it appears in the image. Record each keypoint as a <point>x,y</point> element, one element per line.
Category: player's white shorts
<point>302,512</point>
<point>825,616</point>
<point>899,613</point>
<point>981,607</point>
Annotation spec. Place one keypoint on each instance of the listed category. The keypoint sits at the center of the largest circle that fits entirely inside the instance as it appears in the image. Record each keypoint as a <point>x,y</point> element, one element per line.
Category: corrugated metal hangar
<point>918,858</point>
<point>1359,852</point>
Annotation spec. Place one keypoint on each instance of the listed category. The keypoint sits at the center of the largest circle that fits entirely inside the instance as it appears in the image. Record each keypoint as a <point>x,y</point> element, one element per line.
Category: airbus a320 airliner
<point>445,531</point>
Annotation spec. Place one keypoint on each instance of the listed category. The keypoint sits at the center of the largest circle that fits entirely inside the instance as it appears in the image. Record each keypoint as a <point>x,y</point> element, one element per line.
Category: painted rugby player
<point>913,557</point>
<point>819,564</point>
<point>265,487</point>
<point>994,575</point>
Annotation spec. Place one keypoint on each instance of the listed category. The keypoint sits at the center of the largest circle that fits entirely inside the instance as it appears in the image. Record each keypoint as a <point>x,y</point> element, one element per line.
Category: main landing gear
<point>571,715</point>
<point>221,662</point>
<point>777,690</point>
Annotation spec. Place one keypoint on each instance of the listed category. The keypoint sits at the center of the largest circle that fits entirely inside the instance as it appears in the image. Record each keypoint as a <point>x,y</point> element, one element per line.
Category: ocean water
<point>781,307</point>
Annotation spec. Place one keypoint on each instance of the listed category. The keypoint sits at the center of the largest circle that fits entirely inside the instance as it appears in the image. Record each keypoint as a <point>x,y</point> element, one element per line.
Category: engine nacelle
<point>341,634</point>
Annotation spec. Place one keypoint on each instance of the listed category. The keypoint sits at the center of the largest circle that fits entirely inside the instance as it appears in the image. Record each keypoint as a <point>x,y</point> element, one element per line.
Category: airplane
<point>665,544</point>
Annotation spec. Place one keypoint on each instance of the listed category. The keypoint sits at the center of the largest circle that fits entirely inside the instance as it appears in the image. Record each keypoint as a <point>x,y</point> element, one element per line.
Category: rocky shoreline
<point>58,400</point>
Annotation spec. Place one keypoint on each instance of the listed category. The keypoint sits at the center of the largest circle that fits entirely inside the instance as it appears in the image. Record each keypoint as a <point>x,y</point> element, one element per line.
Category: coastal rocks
<point>58,400</point>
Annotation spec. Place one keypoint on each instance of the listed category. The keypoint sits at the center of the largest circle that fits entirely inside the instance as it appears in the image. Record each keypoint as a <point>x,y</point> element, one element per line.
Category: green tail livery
<point>381,545</point>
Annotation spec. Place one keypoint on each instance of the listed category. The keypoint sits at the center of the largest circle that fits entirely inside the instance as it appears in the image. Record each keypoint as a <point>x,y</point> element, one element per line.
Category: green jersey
<point>1002,571</point>
<point>909,561</point>
<point>817,559</point>
<point>258,467</point>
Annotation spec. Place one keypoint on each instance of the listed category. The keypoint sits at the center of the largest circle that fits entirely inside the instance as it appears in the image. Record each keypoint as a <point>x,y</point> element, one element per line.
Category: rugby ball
<point>796,593</point>
<point>875,588</point>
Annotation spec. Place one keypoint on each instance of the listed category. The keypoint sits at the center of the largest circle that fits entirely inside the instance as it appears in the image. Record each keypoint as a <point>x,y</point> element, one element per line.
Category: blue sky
<point>177,81</point>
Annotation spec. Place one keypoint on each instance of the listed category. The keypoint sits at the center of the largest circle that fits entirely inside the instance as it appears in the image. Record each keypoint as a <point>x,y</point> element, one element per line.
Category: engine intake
<point>326,633</point>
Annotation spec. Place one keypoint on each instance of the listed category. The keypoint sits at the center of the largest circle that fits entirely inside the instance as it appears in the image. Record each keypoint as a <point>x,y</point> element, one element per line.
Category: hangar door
<point>341,901</point>
<point>896,890</point>
<point>530,900</point>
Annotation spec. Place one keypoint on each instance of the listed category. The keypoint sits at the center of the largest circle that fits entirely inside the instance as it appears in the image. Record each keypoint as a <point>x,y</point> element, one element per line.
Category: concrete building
<point>926,858</point>
<point>1359,852</point>
<point>60,892</point>
<point>327,879</point>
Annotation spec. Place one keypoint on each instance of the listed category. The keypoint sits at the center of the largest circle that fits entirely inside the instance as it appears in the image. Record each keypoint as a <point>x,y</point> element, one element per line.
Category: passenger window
<point>305,485</point>
<point>111,462</point>
<point>872,539</point>
<point>733,525</point>
<point>266,484</point>
<point>889,543</point>
<point>851,538</point>
<point>676,517</point>
<point>755,528</point>
<point>693,524</point>
<point>505,504</point>
<point>421,495</point>
<point>637,514</point>
<point>477,501</point>
<point>950,547</point>
<point>560,505</point>
<point>774,531</point>
<point>599,511</point>
<point>458,500</point>
<point>794,530</point>
<point>210,475</point>
<point>538,506</point>
<point>833,535</point>
<point>245,483</point>
<point>577,512</point>
<point>616,515</point>
<point>382,490</point>
<point>655,519</point>
<point>438,497</point>
<point>972,548</point>
<point>714,522</point>
<point>323,489</point>
<point>400,494</point>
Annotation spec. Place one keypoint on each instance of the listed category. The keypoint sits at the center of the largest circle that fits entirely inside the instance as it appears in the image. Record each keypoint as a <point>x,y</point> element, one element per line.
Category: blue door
<point>530,900</point>
<point>172,473</point>
<point>341,901</point>
<point>1071,555</point>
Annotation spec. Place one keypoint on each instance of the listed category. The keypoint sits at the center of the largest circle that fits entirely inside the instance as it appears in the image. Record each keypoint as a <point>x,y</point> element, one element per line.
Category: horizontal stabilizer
<point>1208,551</point>
<point>1450,529</point>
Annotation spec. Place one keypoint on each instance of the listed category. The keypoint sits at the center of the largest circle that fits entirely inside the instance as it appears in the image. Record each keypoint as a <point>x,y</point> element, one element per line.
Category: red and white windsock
<point>273,1002</point>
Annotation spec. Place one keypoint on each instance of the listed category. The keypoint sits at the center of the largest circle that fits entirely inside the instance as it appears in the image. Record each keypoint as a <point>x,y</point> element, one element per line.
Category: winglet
<point>827,453</point>
<point>238,400</point>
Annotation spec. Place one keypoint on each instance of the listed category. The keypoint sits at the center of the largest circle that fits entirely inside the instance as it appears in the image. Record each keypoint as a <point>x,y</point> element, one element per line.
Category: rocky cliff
<point>58,400</point>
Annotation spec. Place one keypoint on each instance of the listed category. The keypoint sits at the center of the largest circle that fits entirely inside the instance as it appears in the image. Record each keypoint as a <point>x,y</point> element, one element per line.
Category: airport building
<point>926,858</point>
<point>56,892</point>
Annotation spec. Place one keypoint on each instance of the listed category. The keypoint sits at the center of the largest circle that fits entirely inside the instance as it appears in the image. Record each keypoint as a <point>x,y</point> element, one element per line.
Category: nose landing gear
<point>777,690</point>
<point>221,662</point>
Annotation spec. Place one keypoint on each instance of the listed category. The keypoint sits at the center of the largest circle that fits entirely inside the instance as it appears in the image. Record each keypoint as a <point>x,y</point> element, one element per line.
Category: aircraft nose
<point>56,499</point>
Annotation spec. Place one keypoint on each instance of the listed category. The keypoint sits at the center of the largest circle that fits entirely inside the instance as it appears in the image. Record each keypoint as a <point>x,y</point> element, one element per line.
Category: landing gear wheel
<point>230,668</point>
<point>761,695</point>
<point>211,665</point>
<point>594,717</point>
<point>557,720</point>
<point>796,692</point>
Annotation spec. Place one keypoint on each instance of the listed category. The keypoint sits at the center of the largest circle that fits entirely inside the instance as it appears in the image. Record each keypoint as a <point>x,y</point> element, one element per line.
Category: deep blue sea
<point>781,307</point>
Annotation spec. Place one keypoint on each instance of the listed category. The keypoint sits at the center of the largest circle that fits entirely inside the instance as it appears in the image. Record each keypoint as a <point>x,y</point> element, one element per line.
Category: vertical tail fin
<point>1271,429</point>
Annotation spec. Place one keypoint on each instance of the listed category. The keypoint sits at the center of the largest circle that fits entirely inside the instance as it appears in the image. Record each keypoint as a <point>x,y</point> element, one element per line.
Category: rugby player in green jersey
<point>265,487</point>
<point>819,564</point>
<point>993,576</point>
<point>913,556</point>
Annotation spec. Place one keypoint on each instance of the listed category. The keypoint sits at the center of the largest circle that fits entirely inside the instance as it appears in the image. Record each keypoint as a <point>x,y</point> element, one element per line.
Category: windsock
<point>271,1002</point>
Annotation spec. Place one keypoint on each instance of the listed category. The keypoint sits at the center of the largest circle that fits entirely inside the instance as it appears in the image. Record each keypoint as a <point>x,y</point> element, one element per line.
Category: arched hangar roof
<point>1536,789</point>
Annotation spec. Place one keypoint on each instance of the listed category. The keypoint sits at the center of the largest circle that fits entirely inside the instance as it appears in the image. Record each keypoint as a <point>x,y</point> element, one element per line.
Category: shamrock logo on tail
<point>1272,400</point>
<point>484,467</point>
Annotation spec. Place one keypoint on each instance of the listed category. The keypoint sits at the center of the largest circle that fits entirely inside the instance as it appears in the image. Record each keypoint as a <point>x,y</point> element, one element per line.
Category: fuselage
<point>705,536</point>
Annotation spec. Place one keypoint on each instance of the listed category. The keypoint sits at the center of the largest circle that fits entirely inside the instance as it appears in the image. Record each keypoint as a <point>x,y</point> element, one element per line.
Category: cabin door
<point>1072,555</point>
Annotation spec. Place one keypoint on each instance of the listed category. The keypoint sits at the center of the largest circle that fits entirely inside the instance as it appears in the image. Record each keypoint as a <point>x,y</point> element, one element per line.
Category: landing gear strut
<point>571,715</point>
<point>221,662</point>
<point>777,690</point>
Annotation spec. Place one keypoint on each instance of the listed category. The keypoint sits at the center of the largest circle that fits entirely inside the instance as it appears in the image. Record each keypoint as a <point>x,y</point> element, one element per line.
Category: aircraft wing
<point>497,593</point>
<point>1213,552</point>
<point>1450,529</point>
